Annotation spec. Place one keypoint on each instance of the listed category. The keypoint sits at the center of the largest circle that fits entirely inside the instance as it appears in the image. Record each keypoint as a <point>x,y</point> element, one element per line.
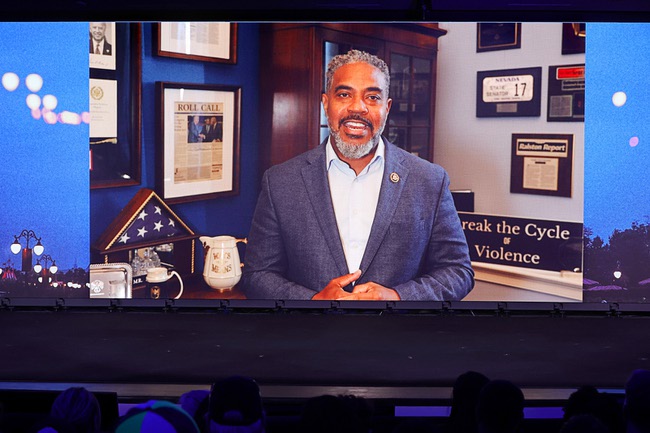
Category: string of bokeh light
<point>619,99</point>
<point>43,108</point>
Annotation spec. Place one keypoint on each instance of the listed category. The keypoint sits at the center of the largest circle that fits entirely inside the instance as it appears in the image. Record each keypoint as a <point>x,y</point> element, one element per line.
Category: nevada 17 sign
<point>508,93</point>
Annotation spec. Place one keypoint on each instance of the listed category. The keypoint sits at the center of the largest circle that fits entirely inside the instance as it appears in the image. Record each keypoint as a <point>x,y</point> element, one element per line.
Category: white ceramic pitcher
<point>221,264</point>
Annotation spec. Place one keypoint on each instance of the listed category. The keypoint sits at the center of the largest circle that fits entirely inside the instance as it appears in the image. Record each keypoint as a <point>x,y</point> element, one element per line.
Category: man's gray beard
<point>351,150</point>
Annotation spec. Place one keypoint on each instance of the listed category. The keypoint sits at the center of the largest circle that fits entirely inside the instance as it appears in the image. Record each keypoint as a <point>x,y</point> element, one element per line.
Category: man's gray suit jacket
<point>416,246</point>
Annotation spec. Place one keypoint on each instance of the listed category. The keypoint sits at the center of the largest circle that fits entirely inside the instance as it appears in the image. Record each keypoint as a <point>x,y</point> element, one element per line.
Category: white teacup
<point>160,275</point>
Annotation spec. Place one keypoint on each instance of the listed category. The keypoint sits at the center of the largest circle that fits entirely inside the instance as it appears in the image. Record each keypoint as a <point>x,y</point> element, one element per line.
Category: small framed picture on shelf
<point>497,36</point>
<point>203,41</point>
<point>198,141</point>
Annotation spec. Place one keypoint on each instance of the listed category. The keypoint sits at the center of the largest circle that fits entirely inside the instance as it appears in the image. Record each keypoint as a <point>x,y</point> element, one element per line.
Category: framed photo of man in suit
<point>102,47</point>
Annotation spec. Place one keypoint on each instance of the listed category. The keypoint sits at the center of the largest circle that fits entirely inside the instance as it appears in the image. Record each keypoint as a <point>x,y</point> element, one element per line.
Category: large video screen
<point>527,121</point>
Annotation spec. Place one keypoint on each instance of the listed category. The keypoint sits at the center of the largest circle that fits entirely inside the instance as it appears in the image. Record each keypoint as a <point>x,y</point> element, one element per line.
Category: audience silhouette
<point>584,423</point>
<point>587,400</point>
<point>500,407</point>
<point>465,393</point>
<point>235,405</point>
<point>636,408</point>
<point>75,410</point>
<point>156,416</point>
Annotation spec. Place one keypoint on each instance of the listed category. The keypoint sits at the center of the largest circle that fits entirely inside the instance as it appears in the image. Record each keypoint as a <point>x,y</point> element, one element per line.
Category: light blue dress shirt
<point>355,201</point>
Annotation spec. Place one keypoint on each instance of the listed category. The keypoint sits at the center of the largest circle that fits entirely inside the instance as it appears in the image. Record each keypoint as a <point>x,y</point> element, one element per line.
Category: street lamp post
<point>43,269</point>
<point>16,247</point>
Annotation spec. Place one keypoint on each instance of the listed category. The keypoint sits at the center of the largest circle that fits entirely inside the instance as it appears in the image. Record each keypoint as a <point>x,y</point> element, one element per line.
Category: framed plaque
<point>566,93</point>
<point>541,164</point>
<point>497,36</point>
<point>204,41</point>
<point>509,93</point>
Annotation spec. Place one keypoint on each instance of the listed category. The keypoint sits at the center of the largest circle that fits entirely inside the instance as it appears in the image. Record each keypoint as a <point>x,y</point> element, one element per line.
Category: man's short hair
<point>356,56</point>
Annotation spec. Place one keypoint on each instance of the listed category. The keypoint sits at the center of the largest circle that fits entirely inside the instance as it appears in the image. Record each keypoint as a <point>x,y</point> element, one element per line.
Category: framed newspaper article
<point>204,41</point>
<point>198,143</point>
<point>541,164</point>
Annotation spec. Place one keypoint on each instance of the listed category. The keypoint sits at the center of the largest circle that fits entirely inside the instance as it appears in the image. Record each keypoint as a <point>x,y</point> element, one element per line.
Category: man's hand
<point>334,289</point>
<point>371,291</point>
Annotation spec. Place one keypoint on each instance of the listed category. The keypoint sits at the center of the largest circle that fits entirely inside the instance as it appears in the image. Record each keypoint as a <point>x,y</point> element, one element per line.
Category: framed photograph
<point>198,141</point>
<point>573,38</point>
<point>102,45</point>
<point>115,101</point>
<point>497,36</point>
<point>204,41</point>
<point>541,164</point>
<point>509,93</point>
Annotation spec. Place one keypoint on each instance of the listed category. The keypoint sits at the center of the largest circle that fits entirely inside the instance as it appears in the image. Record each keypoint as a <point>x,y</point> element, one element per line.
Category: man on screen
<point>356,218</point>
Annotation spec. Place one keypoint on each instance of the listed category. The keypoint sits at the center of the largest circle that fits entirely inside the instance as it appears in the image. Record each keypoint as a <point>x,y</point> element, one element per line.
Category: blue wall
<point>229,215</point>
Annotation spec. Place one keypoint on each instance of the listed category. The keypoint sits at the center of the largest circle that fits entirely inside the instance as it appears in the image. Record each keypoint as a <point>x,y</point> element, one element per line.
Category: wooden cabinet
<point>294,59</point>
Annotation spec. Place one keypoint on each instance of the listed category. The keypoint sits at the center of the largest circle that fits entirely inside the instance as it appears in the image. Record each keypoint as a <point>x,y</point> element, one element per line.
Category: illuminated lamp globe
<point>54,268</point>
<point>50,102</point>
<point>38,268</point>
<point>33,101</point>
<point>34,82</point>
<point>617,274</point>
<point>50,117</point>
<point>15,247</point>
<point>619,99</point>
<point>38,248</point>
<point>10,81</point>
<point>40,279</point>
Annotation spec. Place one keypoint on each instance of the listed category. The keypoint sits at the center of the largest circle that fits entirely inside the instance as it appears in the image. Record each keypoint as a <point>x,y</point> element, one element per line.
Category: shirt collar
<point>331,156</point>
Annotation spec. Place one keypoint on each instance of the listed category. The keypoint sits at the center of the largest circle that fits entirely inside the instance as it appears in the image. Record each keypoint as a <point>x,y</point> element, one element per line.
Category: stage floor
<point>301,353</point>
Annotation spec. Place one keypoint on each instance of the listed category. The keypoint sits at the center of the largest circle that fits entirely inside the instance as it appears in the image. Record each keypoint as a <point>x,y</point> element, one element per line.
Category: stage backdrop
<point>617,155</point>
<point>44,165</point>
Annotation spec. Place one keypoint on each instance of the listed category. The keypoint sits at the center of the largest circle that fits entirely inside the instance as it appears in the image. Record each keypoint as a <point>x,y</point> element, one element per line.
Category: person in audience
<point>636,408</point>
<point>587,400</point>
<point>462,418</point>
<point>500,407</point>
<point>579,402</point>
<point>235,406</point>
<point>196,404</point>
<point>584,423</point>
<point>156,416</point>
<point>80,408</point>
<point>75,410</point>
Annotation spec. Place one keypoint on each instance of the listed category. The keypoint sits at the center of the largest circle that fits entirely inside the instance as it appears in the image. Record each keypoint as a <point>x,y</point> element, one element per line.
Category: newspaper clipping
<point>198,141</point>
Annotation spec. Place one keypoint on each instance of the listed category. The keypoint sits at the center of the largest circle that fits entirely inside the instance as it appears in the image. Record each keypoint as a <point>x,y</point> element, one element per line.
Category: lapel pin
<point>394,177</point>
